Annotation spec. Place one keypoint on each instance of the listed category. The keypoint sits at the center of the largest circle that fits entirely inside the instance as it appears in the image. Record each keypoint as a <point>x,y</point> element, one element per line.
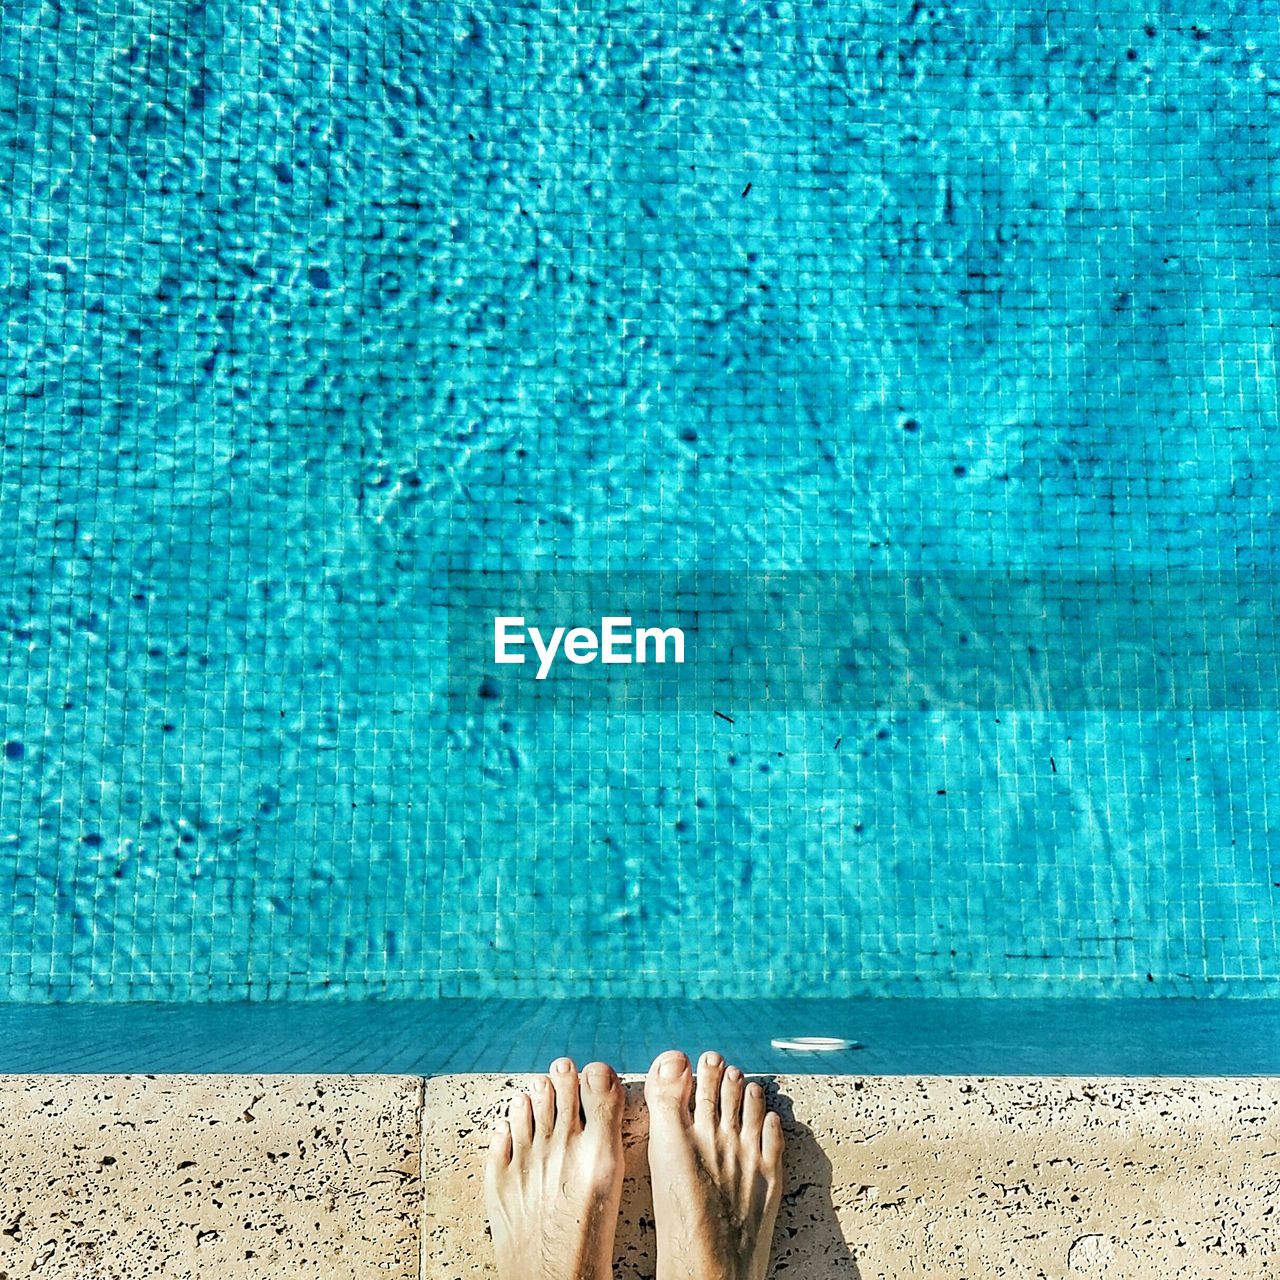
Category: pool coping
<point>379,1176</point>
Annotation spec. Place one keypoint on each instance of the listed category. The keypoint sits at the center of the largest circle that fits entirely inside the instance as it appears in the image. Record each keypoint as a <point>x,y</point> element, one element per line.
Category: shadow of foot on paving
<point>808,1240</point>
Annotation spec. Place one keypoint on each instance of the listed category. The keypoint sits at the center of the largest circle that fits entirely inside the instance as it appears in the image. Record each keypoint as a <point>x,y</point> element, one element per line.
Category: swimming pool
<point>308,307</point>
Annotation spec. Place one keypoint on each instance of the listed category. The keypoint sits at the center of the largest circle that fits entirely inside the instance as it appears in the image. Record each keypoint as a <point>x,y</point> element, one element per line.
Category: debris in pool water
<point>813,1044</point>
<point>727,719</point>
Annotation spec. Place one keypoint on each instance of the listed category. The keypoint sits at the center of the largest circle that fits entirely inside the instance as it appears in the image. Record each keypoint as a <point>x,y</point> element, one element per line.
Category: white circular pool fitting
<point>813,1044</point>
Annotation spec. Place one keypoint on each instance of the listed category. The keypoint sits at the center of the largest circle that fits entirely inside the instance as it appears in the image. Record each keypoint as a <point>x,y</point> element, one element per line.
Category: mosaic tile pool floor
<point>305,306</point>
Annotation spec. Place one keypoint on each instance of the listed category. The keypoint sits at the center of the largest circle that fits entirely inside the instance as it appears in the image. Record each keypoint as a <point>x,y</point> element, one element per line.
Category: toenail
<point>672,1068</point>
<point>712,1059</point>
<point>734,1074</point>
<point>561,1067</point>
<point>539,1085</point>
<point>598,1075</point>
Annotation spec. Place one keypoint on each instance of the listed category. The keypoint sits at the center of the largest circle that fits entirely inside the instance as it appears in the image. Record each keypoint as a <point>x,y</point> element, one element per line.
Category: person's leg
<point>717,1173</point>
<point>553,1178</point>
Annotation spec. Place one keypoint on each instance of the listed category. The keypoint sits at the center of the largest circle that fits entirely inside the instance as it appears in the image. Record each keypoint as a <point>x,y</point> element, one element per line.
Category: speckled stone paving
<point>226,1177</point>
<point>108,1178</point>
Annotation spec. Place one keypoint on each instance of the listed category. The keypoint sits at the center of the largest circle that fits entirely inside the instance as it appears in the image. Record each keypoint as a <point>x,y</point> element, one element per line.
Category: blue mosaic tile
<point>305,306</point>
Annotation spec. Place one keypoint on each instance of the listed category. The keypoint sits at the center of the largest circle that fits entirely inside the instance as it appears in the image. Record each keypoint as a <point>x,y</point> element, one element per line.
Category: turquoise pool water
<point>949,1035</point>
<point>306,307</point>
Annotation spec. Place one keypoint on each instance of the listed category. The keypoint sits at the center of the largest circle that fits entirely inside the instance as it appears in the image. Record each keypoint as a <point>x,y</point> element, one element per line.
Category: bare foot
<point>717,1176</point>
<point>553,1179</point>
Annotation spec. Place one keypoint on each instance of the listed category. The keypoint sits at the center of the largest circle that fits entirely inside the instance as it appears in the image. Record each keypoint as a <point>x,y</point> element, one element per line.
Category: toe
<point>498,1161</point>
<point>564,1080</point>
<point>669,1084</point>
<point>731,1090</point>
<point>706,1098</point>
<point>753,1115</point>
<point>520,1120</point>
<point>771,1143</point>
<point>543,1100</point>
<point>601,1098</point>
<point>500,1144</point>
